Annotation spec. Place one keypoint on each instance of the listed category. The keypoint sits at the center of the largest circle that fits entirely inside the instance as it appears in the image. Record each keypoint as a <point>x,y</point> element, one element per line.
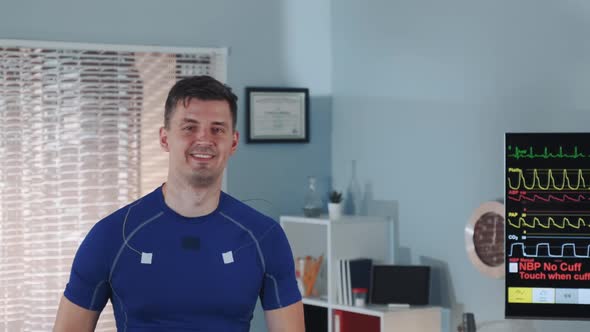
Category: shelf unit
<point>347,238</point>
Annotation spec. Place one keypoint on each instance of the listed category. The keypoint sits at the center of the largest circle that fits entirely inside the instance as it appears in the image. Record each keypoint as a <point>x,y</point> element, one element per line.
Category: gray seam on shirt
<point>268,231</point>
<point>128,239</point>
<point>260,239</point>
<point>276,289</point>
<point>95,292</point>
<point>122,307</point>
<point>251,235</point>
<point>125,223</point>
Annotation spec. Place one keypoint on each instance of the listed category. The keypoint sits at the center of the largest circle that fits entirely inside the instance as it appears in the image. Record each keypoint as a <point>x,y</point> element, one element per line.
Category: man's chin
<point>202,180</point>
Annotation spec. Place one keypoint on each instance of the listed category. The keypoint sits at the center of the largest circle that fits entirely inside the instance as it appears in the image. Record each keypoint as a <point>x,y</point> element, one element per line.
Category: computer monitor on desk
<point>400,285</point>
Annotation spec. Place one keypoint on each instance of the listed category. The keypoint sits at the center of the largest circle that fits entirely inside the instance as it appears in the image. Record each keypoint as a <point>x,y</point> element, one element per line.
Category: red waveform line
<point>548,199</point>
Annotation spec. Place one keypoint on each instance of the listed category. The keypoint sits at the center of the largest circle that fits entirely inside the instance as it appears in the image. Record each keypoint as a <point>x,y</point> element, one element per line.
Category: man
<point>186,257</point>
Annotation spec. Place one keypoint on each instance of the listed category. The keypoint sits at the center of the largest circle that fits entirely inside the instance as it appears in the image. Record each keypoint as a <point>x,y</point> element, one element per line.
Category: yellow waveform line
<point>550,180</point>
<point>548,223</point>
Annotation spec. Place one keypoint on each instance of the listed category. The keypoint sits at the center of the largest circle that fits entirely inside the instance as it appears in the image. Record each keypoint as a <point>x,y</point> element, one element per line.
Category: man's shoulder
<point>130,213</point>
<point>245,215</point>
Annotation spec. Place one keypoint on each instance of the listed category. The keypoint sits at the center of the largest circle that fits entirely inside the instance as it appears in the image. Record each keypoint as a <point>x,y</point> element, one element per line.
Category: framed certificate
<point>277,115</point>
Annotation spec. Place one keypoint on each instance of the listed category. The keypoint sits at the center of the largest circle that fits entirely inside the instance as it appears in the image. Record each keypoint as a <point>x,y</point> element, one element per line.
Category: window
<point>78,139</point>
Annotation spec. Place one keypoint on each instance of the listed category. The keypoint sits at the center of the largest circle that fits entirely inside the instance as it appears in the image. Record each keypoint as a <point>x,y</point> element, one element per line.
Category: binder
<point>360,273</point>
<point>353,322</point>
<point>347,289</point>
<point>337,321</point>
<point>340,282</point>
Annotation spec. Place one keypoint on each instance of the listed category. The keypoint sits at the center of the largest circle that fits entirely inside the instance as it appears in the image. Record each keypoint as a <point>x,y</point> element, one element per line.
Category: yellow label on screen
<point>520,295</point>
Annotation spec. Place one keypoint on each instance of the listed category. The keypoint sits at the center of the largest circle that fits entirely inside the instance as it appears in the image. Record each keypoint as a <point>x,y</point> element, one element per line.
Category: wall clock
<point>484,239</point>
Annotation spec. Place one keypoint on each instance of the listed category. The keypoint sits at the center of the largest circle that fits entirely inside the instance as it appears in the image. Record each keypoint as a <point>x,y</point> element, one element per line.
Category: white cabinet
<point>347,238</point>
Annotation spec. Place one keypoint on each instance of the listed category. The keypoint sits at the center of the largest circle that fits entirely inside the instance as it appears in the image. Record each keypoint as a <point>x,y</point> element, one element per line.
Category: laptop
<point>402,285</point>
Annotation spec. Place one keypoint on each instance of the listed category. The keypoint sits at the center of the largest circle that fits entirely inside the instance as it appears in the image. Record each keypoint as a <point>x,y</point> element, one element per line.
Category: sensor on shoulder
<point>146,258</point>
<point>228,257</point>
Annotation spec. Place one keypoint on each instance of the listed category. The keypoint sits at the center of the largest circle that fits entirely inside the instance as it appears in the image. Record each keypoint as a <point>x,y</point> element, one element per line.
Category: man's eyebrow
<point>187,120</point>
<point>220,123</point>
<point>215,123</point>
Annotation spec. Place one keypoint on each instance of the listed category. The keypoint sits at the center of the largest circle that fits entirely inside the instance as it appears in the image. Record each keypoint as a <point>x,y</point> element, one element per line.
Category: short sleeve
<point>280,286</point>
<point>88,285</point>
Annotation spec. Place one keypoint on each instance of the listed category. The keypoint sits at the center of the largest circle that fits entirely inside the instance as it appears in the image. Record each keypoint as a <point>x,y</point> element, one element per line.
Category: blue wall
<point>273,43</point>
<point>423,91</point>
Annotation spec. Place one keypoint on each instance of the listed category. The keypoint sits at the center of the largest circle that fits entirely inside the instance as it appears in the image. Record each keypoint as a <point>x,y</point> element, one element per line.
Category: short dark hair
<point>200,87</point>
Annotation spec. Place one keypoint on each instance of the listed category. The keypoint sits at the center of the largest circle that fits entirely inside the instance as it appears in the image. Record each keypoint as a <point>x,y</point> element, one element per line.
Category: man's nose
<point>203,135</point>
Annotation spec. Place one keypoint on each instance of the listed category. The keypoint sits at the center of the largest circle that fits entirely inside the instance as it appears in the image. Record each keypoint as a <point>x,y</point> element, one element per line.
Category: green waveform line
<point>530,153</point>
<point>550,183</point>
<point>565,222</point>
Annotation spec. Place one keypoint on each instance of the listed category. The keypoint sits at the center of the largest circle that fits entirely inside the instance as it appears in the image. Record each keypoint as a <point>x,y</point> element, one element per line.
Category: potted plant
<point>335,205</point>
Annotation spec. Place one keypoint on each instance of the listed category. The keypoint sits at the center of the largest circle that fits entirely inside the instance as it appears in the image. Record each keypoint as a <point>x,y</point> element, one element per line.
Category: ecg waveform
<point>550,183</point>
<point>548,223</point>
<point>547,199</point>
<point>546,154</point>
<point>549,253</point>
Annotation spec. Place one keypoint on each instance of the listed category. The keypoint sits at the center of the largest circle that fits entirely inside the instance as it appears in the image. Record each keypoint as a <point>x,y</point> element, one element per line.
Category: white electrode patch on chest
<point>146,258</point>
<point>228,257</point>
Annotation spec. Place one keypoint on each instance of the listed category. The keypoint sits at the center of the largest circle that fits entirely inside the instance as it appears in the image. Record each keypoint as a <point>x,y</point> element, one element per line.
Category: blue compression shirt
<point>166,272</point>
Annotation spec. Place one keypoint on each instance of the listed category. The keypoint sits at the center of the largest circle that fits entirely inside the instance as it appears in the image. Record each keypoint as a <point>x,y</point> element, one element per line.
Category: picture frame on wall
<point>277,115</point>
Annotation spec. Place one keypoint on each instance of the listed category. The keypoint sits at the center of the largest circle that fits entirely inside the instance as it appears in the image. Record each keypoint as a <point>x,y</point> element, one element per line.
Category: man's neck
<point>189,201</point>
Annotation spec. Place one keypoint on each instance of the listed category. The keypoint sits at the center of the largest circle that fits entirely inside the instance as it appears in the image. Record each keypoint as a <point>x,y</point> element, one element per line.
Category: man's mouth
<point>201,155</point>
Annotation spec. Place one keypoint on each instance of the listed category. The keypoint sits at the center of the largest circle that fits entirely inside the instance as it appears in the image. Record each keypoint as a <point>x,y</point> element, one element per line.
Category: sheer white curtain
<point>78,139</point>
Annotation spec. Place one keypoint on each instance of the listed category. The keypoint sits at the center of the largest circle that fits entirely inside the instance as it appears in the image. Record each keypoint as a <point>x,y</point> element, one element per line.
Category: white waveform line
<point>546,245</point>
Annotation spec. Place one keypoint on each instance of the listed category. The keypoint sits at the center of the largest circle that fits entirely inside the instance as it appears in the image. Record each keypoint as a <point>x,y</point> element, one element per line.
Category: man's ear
<point>235,140</point>
<point>164,139</point>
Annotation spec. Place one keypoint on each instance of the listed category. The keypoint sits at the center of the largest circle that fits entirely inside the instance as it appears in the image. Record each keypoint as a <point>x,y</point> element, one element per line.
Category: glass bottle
<point>354,193</point>
<point>313,203</point>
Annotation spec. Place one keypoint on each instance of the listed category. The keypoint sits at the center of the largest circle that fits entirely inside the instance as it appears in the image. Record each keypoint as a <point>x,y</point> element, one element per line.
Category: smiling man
<point>186,257</point>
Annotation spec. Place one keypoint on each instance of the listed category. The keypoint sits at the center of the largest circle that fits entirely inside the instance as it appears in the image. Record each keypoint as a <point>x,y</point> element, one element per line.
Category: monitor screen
<point>400,284</point>
<point>547,247</point>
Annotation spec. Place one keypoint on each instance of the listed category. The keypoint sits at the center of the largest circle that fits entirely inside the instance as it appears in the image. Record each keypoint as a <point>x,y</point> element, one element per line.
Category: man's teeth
<point>202,155</point>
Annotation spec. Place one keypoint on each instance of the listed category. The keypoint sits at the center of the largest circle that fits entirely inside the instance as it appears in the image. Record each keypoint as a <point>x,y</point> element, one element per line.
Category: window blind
<point>78,139</point>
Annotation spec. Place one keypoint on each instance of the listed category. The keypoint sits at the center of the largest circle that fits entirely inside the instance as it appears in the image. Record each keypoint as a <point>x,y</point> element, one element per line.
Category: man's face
<point>200,139</point>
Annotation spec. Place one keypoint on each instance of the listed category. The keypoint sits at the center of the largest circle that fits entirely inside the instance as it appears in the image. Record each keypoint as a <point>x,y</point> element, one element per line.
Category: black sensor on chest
<point>191,243</point>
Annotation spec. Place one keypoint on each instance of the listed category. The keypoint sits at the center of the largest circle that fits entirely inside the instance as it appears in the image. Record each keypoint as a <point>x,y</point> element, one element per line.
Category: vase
<point>334,211</point>
<point>354,193</point>
<point>312,202</point>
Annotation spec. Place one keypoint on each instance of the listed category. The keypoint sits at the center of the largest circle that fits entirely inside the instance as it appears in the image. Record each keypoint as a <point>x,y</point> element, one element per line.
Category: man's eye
<point>218,130</point>
<point>188,128</point>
